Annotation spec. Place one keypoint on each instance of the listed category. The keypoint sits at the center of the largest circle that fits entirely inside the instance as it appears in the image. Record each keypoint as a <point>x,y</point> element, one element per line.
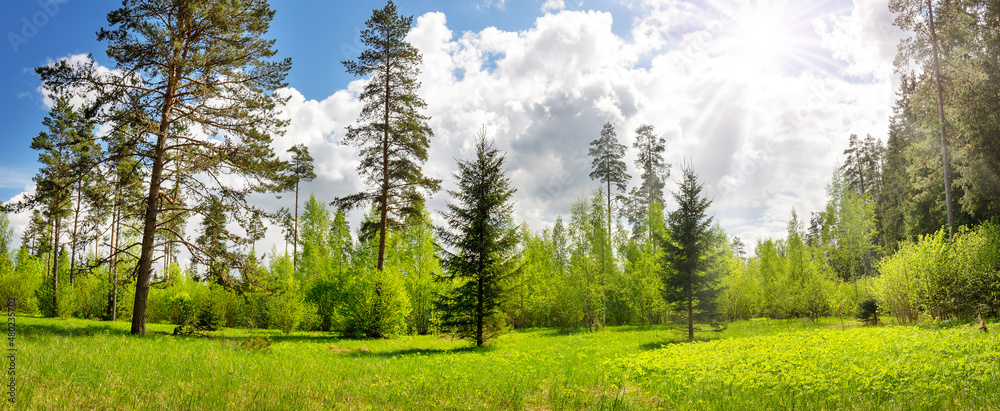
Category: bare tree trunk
<point>55,263</point>
<point>604,266</point>
<point>113,263</point>
<point>295,234</point>
<point>145,267</point>
<point>690,312</point>
<point>76,225</point>
<point>944,140</point>
<point>479,313</point>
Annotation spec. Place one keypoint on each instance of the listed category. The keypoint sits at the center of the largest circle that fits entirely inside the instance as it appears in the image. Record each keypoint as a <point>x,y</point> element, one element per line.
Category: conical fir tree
<point>689,280</point>
<point>483,241</point>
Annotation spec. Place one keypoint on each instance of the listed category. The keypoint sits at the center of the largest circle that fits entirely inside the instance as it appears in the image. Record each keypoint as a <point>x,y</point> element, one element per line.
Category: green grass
<point>79,364</point>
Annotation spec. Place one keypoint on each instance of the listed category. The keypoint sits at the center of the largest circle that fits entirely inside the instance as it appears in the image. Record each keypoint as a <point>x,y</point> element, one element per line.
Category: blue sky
<point>759,96</point>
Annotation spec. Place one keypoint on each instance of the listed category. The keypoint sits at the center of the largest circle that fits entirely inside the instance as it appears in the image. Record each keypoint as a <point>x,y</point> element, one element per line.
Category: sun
<point>768,34</point>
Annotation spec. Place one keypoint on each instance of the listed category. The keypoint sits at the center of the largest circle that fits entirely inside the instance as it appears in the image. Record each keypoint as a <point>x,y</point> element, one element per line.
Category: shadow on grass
<point>417,351</point>
<point>680,337</point>
<point>68,330</point>
<point>320,337</point>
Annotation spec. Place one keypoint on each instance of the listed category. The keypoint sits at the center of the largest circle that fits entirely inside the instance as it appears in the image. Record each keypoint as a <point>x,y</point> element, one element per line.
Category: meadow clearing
<point>757,364</point>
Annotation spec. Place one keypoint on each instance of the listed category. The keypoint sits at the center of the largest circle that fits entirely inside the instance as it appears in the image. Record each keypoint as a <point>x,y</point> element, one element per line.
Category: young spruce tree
<point>689,280</point>
<point>483,239</point>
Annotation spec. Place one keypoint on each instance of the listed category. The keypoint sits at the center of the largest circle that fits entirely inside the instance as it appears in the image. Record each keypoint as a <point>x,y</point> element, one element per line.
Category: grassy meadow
<point>758,364</point>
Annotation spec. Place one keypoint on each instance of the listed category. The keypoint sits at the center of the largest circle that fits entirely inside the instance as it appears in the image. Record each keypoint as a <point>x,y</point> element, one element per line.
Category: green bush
<point>21,280</point>
<point>90,296</point>
<point>944,279</point>
<point>212,309</point>
<point>182,309</point>
<point>868,311</point>
<point>311,319</point>
<point>377,305</point>
<point>286,311</point>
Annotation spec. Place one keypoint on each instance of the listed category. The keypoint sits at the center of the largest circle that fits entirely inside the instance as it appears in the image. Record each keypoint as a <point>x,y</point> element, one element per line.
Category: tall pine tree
<point>61,153</point>
<point>300,169</point>
<point>655,171</point>
<point>392,134</point>
<point>183,67</point>
<point>608,168</point>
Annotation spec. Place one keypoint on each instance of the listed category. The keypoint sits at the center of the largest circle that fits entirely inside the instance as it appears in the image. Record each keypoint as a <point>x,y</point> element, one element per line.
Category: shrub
<point>376,314</point>
<point>21,280</point>
<point>182,309</point>
<point>868,311</point>
<point>286,311</point>
<point>945,279</point>
<point>311,319</point>
<point>212,309</point>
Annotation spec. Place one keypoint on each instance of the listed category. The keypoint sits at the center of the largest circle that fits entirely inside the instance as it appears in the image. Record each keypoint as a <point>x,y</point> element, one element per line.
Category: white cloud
<point>763,139</point>
<point>553,5</point>
<point>866,39</point>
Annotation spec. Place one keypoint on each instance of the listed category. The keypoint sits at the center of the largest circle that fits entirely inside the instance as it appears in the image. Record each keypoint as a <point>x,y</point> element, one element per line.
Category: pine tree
<point>62,157</point>
<point>181,67</point>
<point>301,169</point>
<point>655,171</point>
<point>608,168</point>
<point>484,245</point>
<point>911,17</point>
<point>689,278</point>
<point>391,133</point>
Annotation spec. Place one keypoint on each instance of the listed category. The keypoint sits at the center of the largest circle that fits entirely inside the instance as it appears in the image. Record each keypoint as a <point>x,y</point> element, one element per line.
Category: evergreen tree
<point>182,67</point>
<point>655,171</point>
<point>213,243</point>
<point>484,245</point>
<point>62,153</point>
<point>392,134</point>
<point>608,168</point>
<point>300,169</point>
<point>892,204</point>
<point>918,16</point>
<point>689,278</point>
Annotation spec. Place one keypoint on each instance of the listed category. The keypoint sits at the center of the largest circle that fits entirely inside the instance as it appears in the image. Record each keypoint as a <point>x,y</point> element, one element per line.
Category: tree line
<point>191,109</point>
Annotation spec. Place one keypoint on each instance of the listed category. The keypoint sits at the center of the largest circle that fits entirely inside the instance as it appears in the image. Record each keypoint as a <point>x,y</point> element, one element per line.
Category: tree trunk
<point>55,263</point>
<point>691,311</point>
<point>113,269</point>
<point>145,266</point>
<point>76,225</point>
<point>604,267</point>
<point>479,312</point>
<point>944,140</point>
<point>295,230</point>
<point>384,206</point>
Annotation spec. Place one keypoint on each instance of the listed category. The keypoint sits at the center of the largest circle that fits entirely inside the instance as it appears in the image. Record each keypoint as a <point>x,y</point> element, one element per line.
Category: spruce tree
<point>689,278</point>
<point>483,241</point>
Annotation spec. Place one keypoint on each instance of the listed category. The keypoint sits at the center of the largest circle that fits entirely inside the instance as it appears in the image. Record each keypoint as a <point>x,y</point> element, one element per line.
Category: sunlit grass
<point>79,364</point>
